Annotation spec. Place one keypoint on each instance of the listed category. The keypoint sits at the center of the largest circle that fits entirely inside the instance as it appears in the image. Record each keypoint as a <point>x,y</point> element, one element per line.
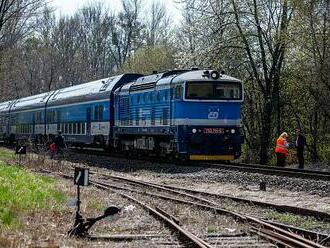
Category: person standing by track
<point>300,145</point>
<point>59,142</point>
<point>281,149</point>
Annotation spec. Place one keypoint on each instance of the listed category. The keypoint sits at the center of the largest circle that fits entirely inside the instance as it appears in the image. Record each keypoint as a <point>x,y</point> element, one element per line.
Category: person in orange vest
<point>281,149</point>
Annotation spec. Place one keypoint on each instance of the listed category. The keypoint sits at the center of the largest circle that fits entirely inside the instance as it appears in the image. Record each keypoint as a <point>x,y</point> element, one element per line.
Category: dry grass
<point>49,228</point>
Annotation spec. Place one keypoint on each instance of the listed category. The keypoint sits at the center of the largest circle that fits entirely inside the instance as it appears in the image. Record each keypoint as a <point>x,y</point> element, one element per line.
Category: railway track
<point>323,216</point>
<point>230,166</point>
<point>272,170</point>
<point>251,168</point>
<point>274,232</point>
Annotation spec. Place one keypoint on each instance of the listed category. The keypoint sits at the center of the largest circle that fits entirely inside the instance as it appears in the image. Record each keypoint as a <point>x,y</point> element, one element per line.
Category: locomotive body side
<point>160,116</point>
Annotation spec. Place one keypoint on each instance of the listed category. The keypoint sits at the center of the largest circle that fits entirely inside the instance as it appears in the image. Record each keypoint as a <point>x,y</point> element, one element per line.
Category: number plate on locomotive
<point>213,130</point>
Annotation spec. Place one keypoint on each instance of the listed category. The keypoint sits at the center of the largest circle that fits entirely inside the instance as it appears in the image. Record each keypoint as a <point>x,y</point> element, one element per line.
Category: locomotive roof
<point>196,75</point>
<point>162,79</point>
<point>150,81</point>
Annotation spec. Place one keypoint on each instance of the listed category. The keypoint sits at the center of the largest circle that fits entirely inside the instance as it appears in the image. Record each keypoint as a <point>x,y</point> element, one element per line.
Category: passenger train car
<point>188,114</point>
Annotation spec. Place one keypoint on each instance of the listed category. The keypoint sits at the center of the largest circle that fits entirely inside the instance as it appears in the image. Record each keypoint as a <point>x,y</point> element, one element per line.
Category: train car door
<point>88,121</point>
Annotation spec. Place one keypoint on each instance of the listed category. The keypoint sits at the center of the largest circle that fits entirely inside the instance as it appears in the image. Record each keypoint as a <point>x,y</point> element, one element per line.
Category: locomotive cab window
<point>214,90</point>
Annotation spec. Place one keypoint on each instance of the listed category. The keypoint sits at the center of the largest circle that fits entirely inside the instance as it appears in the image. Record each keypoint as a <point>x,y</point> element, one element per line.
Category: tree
<point>149,59</point>
<point>157,25</point>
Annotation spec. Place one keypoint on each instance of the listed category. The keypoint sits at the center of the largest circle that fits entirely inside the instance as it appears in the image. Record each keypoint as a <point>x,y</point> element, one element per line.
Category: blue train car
<point>26,116</point>
<point>4,120</point>
<point>190,114</point>
<point>84,113</point>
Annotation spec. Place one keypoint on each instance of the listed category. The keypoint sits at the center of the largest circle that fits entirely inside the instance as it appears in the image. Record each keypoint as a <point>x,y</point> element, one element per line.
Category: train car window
<point>214,90</point>
<point>51,116</point>
<point>38,117</point>
<point>98,113</point>
<point>79,128</point>
<point>74,129</point>
<point>83,128</point>
<point>70,128</point>
<point>66,128</point>
<point>58,115</point>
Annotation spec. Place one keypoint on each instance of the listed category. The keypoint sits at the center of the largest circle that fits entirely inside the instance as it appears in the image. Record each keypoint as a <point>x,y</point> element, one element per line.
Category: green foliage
<point>149,59</point>
<point>21,191</point>
<point>296,220</point>
<point>212,229</point>
<point>6,154</point>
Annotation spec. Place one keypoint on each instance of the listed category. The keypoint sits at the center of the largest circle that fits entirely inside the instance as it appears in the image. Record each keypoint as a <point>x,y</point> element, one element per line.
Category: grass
<point>212,229</point>
<point>22,192</point>
<point>6,154</point>
<point>296,220</point>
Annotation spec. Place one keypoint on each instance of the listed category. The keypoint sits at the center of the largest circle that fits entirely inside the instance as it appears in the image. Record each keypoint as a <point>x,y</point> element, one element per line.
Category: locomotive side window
<point>214,91</point>
<point>178,92</point>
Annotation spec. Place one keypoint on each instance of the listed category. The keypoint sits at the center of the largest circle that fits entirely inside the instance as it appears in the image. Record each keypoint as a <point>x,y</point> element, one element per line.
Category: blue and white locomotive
<point>188,114</point>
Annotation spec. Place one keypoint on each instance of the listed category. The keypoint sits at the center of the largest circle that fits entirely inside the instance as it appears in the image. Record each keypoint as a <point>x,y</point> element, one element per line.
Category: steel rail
<point>198,242</point>
<point>280,208</point>
<point>284,236</point>
<point>271,170</point>
<point>254,168</point>
<point>203,200</point>
<point>189,236</point>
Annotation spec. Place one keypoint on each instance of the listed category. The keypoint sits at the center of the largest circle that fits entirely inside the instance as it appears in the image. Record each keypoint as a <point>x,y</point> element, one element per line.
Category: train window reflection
<point>214,90</point>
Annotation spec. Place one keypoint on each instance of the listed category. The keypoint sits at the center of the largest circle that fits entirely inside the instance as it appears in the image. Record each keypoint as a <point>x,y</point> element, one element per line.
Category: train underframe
<point>187,147</point>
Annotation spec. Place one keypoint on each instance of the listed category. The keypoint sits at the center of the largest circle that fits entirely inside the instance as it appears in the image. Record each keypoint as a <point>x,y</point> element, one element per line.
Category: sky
<point>68,7</point>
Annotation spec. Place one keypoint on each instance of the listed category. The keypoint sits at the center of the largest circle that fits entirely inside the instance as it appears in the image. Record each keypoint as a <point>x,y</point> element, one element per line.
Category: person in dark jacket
<point>300,145</point>
<point>59,142</point>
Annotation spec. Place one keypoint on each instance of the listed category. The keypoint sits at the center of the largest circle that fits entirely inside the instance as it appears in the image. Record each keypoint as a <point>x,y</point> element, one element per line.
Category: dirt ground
<point>49,229</point>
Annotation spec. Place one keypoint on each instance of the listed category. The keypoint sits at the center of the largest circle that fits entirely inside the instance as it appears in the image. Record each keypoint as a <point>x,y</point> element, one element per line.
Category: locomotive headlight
<point>232,131</point>
<point>194,130</point>
<point>215,75</point>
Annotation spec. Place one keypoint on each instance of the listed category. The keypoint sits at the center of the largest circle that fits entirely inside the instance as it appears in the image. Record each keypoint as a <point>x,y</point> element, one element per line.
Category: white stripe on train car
<point>39,129</point>
<point>207,122</point>
<point>100,128</point>
<point>191,122</point>
<point>51,129</point>
<point>13,129</point>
